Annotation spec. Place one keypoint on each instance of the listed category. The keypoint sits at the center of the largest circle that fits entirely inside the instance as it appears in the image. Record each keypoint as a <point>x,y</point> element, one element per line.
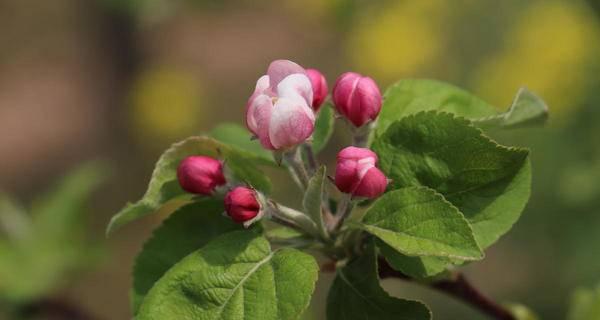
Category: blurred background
<point>119,80</point>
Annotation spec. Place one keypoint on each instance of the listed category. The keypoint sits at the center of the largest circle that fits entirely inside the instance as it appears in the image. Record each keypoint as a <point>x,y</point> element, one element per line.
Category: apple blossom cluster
<point>281,114</point>
<point>430,138</point>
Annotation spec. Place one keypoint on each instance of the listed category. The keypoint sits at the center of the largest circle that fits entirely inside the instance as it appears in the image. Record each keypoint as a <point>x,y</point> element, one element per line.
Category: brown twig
<point>458,287</point>
<point>54,309</point>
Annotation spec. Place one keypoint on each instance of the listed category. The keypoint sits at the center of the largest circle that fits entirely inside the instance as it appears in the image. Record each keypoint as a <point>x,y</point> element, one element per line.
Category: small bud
<point>357,98</point>
<point>200,174</point>
<point>279,112</point>
<point>356,173</point>
<point>319,86</point>
<point>242,205</point>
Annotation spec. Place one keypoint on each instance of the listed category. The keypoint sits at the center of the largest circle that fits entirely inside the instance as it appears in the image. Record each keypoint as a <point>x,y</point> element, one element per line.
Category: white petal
<point>256,102</point>
<point>279,69</point>
<point>292,122</point>
<point>296,86</point>
<point>262,84</point>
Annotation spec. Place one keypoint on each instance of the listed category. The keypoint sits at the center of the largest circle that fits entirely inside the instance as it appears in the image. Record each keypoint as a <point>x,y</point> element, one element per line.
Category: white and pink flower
<point>279,111</point>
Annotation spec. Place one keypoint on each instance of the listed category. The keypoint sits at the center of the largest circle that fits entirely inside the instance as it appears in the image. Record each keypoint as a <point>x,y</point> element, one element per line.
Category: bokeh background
<point>119,80</point>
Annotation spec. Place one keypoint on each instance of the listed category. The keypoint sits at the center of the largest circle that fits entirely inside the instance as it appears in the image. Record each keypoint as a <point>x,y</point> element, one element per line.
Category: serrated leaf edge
<point>462,216</point>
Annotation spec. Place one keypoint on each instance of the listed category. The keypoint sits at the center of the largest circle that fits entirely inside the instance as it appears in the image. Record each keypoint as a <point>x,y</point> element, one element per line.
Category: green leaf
<point>324,126</point>
<point>239,137</point>
<point>248,173</point>
<point>285,236</point>
<point>235,276</point>
<point>417,221</point>
<point>521,312</point>
<point>15,223</point>
<point>283,233</point>
<point>313,198</point>
<point>415,267</point>
<point>585,305</point>
<point>527,109</point>
<point>60,212</point>
<point>50,246</point>
<point>164,189</point>
<point>186,230</point>
<point>489,183</point>
<point>412,96</point>
<point>356,295</point>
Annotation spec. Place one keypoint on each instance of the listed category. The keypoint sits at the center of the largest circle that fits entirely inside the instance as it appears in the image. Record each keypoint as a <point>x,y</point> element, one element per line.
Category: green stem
<point>296,218</point>
<point>313,164</point>
<point>344,209</point>
<point>360,136</point>
<point>296,167</point>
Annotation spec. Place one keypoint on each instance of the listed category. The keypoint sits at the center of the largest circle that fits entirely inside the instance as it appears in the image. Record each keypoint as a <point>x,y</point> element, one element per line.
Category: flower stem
<point>360,136</point>
<point>294,217</point>
<point>344,209</point>
<point>311,158</point>
<point>296,167</point>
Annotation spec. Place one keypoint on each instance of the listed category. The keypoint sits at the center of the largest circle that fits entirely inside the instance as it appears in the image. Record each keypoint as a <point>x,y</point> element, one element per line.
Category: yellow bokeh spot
<point>549,50</point>
<point>400,40</point>
<point>165,106</point>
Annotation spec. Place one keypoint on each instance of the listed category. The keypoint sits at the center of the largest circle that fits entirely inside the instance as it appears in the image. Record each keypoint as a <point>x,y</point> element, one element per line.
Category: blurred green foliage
<point>488,46</point>
<point>44,247</point>
<point>585,304</point>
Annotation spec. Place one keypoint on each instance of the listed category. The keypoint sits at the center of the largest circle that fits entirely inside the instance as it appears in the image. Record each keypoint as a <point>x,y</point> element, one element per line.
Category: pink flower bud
<point>357,98</point>
<point>278,113</point>
<point>319,86</point>
<point>200,175</point>
<point>241,204</point>
<point>356,173</point>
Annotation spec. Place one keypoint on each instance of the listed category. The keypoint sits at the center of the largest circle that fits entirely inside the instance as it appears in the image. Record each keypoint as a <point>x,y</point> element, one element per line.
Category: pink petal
<point>319,86</point>
<point>365,103</point>
<point>296,86</point>
<point>372,184</point>
<point>279,69</point>
<point>255,100</point>
<point>292,122</point>
<point>346,176</point>
<point>258,118</point>
<point>262,84</point>
<point>343,91</point>
<point>355,153</point>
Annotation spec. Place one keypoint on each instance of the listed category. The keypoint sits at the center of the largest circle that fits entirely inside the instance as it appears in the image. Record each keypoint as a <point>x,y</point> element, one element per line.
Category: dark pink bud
<point>319,86</point>
<point>357,98</point>
<point>200,174</point>
<point>241,204</point>
<point>356,173</point>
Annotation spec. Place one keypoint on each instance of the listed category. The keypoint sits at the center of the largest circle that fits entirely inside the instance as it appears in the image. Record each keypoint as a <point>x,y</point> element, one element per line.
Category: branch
<point>459,288</point>
<point>54,309</point>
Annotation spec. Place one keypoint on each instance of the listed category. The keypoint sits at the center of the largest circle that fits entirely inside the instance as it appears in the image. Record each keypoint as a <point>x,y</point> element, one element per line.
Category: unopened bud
<point>200,174</point>
<point>356,173</point>
<point>357,98</point>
